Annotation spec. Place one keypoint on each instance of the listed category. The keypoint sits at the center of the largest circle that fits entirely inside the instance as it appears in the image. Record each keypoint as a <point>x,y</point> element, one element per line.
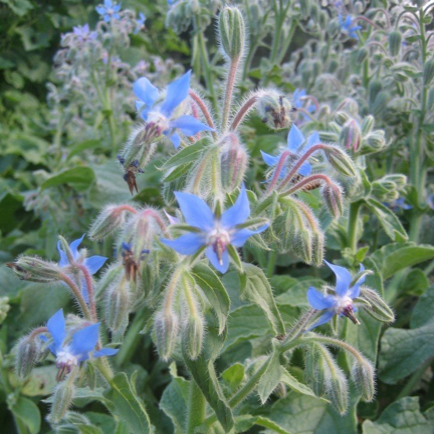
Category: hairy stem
<point>77,294</point>
<point>196,407</point>
<point>230,82</point>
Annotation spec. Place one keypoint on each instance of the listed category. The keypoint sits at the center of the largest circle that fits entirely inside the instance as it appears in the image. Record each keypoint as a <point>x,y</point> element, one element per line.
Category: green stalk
<point>272,256</point>
<point>353,218</point>
<point>196,408</point>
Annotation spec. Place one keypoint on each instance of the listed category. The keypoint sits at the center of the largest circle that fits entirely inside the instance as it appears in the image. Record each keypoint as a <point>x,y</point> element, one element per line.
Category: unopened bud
<point>4,308</point>
<point>192,336</point>
<point>398,179</point>
<point>380,102</point>
<point>63,396</point>
<point>317,248</point>
<point>340,161</point>
<point>350,136</point>
<point>35,269</point>
<point>374,89</point>
<point>108,221</point>
<point>117,306</point>
<point>332,195</point>
<point>316,371</point>
<point>367,125</point>
<point>337,389</point>
<point>341,118</point>
<point>378,309</point>
<point>374,142</point>
<point>139,148</point>
<point>395,40</point>
<point>233,163</point>
<point>275,110</point>
<point>166,331</point>
<point>385,190</point>
<point>428,72</point>
<point>232,32</point>
<point>28,352</point>
<point>364,378</point>
<point>303,245</point>
<point>361,55</point>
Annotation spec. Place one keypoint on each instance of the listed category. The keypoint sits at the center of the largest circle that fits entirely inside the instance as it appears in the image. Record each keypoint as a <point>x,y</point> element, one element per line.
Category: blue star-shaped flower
<point>214,233</point>
<point>78,349</point>
<point>93,264</point>
<point>140,23</point>
<point>341,303</point>
<point>161,114</point>
<point>109,10</point>
<point>84,33</point>
<point>347,26</point>
<point>295,141</point>
<point>299,102</point>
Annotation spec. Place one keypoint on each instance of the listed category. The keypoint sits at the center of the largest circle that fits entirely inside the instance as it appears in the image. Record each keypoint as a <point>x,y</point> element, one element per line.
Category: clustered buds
<point>389,188</point>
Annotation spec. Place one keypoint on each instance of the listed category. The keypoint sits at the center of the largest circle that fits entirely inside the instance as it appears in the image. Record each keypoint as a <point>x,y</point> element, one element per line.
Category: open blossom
<point>84,33</point>
<point>161,114</point>
<point>212,232</point>
<point>298,99</point>
<point>342,302</point>
<point>295,143</point>
<point>347,26</point>
<point>140,23</point>
<point>79,348</point>
<point>109,10</point>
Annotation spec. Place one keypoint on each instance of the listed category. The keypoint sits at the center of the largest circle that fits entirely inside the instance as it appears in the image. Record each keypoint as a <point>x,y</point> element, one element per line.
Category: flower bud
<point>233,163</point>
<point>350,136</point>
<point>428,72</point>
<point>232,32</point>
<point>4,308</point>
<point>192,336</point>
<point>367,125</point>
<point>28,352</point>
<point>117,306</point>
<point>341,118</point>
<point>364,378</point>
<point>317,248</point>
<point>398,179</point>
<point>378,309</point>
<point>35,269</point>
<point>166,331</point>
<point>108,221</point>
<point>385,190</point>
<point>275,110</point>
<point>340,161</point>
<point>373,142</point>
<point>303,245</point>
<point>62,398</point>
<point>374,89</point>
<point>332,195</point>
<point>139,148</point>
<point>361,55</point>
<point>337,389</point>
<point>316,371</point>
<point>380,102</point>
<point>395,40</point>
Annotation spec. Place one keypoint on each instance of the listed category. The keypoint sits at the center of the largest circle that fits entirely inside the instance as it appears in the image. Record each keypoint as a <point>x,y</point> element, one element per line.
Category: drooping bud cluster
<point>389,187</point>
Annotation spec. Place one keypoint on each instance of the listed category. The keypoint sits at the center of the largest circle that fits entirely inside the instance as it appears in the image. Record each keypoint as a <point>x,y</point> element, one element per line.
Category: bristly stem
<point>89,285</point>
<point>37,332</point>
<point>306,181</point>
<point>232,74</point>
<point>196,407</point>
<point>244,110</point>
<point>204,109</point>
<point>353,219</point>
<point>77,294</point>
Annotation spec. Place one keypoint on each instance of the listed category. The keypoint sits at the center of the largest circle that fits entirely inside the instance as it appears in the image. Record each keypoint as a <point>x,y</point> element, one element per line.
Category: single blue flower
<point>83,32</point>
<point>340,303</point>
<point>78,349</point>
<point>299,102</point>
<point>160,114</point>
<point>109,10</point>
<point>140,23</point>
<point>294,145</point>
<point>398,204</point>
<point>212,232</point>
<point>347,26</point>
<point>93,264</point>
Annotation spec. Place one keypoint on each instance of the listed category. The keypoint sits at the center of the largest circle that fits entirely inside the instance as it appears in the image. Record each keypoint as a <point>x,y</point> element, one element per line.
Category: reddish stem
<point>246,107</point>
<point>279,167</point>
<point>128,208</point>
<point>156,216</point>
<point>77,293</point>
<point>89,284</point>
<point>306,181</point>
<point>37,332</point>
<point>204,109</point>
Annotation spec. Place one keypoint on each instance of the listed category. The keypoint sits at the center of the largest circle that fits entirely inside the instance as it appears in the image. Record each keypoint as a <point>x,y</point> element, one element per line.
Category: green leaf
<point>125,404</point>
<point>174,400</point>
<point>403,351</point>
<point>20,7</point>
<point>256,288</point>
<point>79,177</point>
<point>423,311</point>
<point>394,257</point>
<point>88,429</point>
<point>295,385</point>
<point>401,417</point>
<point>387,218</point>
<point>416,283</point>
<point>27,413</point>
<point>41,381</point>
<point>293,291</point>
<point>214,290</point>
<point>245,422</point>
<point>83,146</point>
<point>234,375</point>
<point>186,155</point>
<point>272,375</point>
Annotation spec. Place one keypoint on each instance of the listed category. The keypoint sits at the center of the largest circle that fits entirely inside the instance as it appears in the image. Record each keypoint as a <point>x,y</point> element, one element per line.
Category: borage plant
<point>176,276</point>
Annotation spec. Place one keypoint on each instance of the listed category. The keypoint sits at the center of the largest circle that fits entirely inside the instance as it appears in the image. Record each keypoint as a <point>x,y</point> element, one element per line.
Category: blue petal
<point>325,317</point>
<point>238,213</point>
<point>94,263</point>
<point>318,300</point>
<point>107,18</point>
<point>100,10</point>
<point>238,238</point>
<point>108,3</point>
<point>117,8</point>
<point>176,140</point>
<point>343,279</point>
<point>295,138</point>
<point>196,212</point>
<point>105,352</point>
<point>84,341</point>
<point>354,292</point>
<point>270,160</point>
<point>212,256</point>
<point>74,246</point>
<point>187,244</point>
<point>56,327</point>
<point>312,140</point>
<point>145,91</point>
<point>189,125</point>
<point>305,169</point>
<point>177,91</point>
<point>51,347</point>
<point>63,258</point>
